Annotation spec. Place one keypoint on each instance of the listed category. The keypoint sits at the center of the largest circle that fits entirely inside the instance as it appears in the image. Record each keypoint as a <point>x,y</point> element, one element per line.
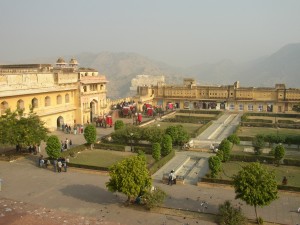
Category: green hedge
<point>110,146</point>
<point>187,119</point>
<point>256,124</point>
<point>282,115</point>
<point>259,121</point>
<point>74,150</point>
<point>216,112</point>
<point>263,159</point>
<point>88,167</point>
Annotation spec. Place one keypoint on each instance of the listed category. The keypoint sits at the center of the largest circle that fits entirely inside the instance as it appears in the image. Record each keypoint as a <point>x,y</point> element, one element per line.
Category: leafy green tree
<point>229,215</point>
<point>215,165</point>
<point>279,153</point>
<point>183,136</point>
<point>130,177</point>
<point>17,129</point>
<point>156,151</point>
<point>154,198</point>
<point>258,143</point>
<point>152,134</point>
<point>225,149</point>
<point>53,147</point>
<point>90,134</point>
<point>166,145</point>
<point>234,139</point>
<point>255,185</point>
<point>119,124</point>
<point>178,134</point>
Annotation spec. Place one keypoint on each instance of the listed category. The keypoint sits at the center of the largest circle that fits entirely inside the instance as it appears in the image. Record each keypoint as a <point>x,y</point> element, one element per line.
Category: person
<point>174,177</point>
<point>55,165</point>
<point>284,181</point>
<point>170,181</point>
<point>41,161</point>
<point>70,142</point>
<point>59,165</point>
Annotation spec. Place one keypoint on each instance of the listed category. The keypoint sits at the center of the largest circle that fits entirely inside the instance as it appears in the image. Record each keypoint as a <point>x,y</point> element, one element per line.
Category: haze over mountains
<point>283,66</point>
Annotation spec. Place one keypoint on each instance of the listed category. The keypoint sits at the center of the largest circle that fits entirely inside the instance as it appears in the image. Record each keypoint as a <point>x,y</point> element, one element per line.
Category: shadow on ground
<point>92,193</point>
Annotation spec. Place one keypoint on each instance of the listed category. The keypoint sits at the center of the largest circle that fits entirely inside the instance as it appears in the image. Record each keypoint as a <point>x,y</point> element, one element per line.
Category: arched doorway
<point>59,122</point>
<point>93,111</point>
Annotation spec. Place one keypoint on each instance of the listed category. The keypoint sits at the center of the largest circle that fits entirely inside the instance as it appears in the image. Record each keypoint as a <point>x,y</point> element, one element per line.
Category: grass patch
<point>291,172</point>
<point>104,158</point>
<point>101,158</point>
<point>189,127</point>
<point>253,131</point>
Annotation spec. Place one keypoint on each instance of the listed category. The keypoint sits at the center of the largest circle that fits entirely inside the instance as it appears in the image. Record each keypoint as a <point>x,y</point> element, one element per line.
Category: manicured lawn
<point>253,131</point>
<point>103,158</point>
<point>189,127</point>
<point>209,116</point>
<point>291,172</point>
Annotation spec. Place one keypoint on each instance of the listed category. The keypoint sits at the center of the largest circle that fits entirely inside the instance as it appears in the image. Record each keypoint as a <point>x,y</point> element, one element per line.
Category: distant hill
<point>281,67</point>
<point>120,68</point>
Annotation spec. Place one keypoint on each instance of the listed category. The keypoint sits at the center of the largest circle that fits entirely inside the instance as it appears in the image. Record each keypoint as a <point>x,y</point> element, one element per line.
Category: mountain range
<point>283,66</point>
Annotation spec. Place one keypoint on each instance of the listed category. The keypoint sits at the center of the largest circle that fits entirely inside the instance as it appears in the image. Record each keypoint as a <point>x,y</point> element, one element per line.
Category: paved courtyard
<point>84,194</point>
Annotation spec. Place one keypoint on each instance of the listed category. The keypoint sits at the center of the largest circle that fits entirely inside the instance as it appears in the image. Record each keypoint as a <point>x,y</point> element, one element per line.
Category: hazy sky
<point>178,32</point>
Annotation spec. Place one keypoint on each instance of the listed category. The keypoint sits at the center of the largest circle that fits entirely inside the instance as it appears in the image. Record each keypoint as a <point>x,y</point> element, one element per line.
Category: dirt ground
<point>16,213</point>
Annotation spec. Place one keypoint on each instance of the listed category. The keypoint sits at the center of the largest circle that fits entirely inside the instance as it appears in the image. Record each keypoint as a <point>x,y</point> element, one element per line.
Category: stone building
<point>144,80</point>
<point>189,95</point>
<point>60,94</point>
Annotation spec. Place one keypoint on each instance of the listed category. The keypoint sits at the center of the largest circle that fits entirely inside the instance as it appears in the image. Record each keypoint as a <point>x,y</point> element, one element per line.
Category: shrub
<point>230,215</point>
<point>166,145</point>
<point>214,163</point>
<point>119,124</point>
<point>53,147</point>
<point>154,198</point>
<point>156,154</point>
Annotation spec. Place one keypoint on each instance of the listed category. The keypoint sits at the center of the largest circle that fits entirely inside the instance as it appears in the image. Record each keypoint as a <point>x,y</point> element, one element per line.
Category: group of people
<point>77,129</point>
<point>172,178</point>
<point>65,145</point>
<point>58,164</point>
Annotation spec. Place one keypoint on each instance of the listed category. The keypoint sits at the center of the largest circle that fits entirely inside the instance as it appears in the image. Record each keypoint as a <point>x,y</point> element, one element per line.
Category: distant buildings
<point>145,80</point>
<point>60,94</point>
<point>229,97</point>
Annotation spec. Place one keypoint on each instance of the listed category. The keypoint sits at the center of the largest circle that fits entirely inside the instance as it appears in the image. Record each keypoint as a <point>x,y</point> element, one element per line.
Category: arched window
<point>4,107</point>
<point>47,101</point>
<point>35,103</point>
<point>58,99</point>
<point>20,104</point>
<point>67,98</point>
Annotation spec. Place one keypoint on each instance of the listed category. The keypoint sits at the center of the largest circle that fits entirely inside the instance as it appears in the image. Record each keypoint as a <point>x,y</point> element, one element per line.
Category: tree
<point>19,130</point>
<point>166,145</point>
<point>152,134</point>
<point>53,147</point>
<point>234,139</point>
<point>214,163</point>
<point>255,185</point>
<point>119,124</point>
<point>279,153</point>
<point>229,215</point>
<point>90,134</point>
<point>224,149</point>
<point>156,151</point>
<point>130,177</point>
<point>258,143</point>
<point>178,134</point>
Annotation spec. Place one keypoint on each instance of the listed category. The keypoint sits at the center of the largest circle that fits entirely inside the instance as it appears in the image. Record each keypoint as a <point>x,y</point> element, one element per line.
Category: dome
<point>60,61</point>
<point>73,62</point>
